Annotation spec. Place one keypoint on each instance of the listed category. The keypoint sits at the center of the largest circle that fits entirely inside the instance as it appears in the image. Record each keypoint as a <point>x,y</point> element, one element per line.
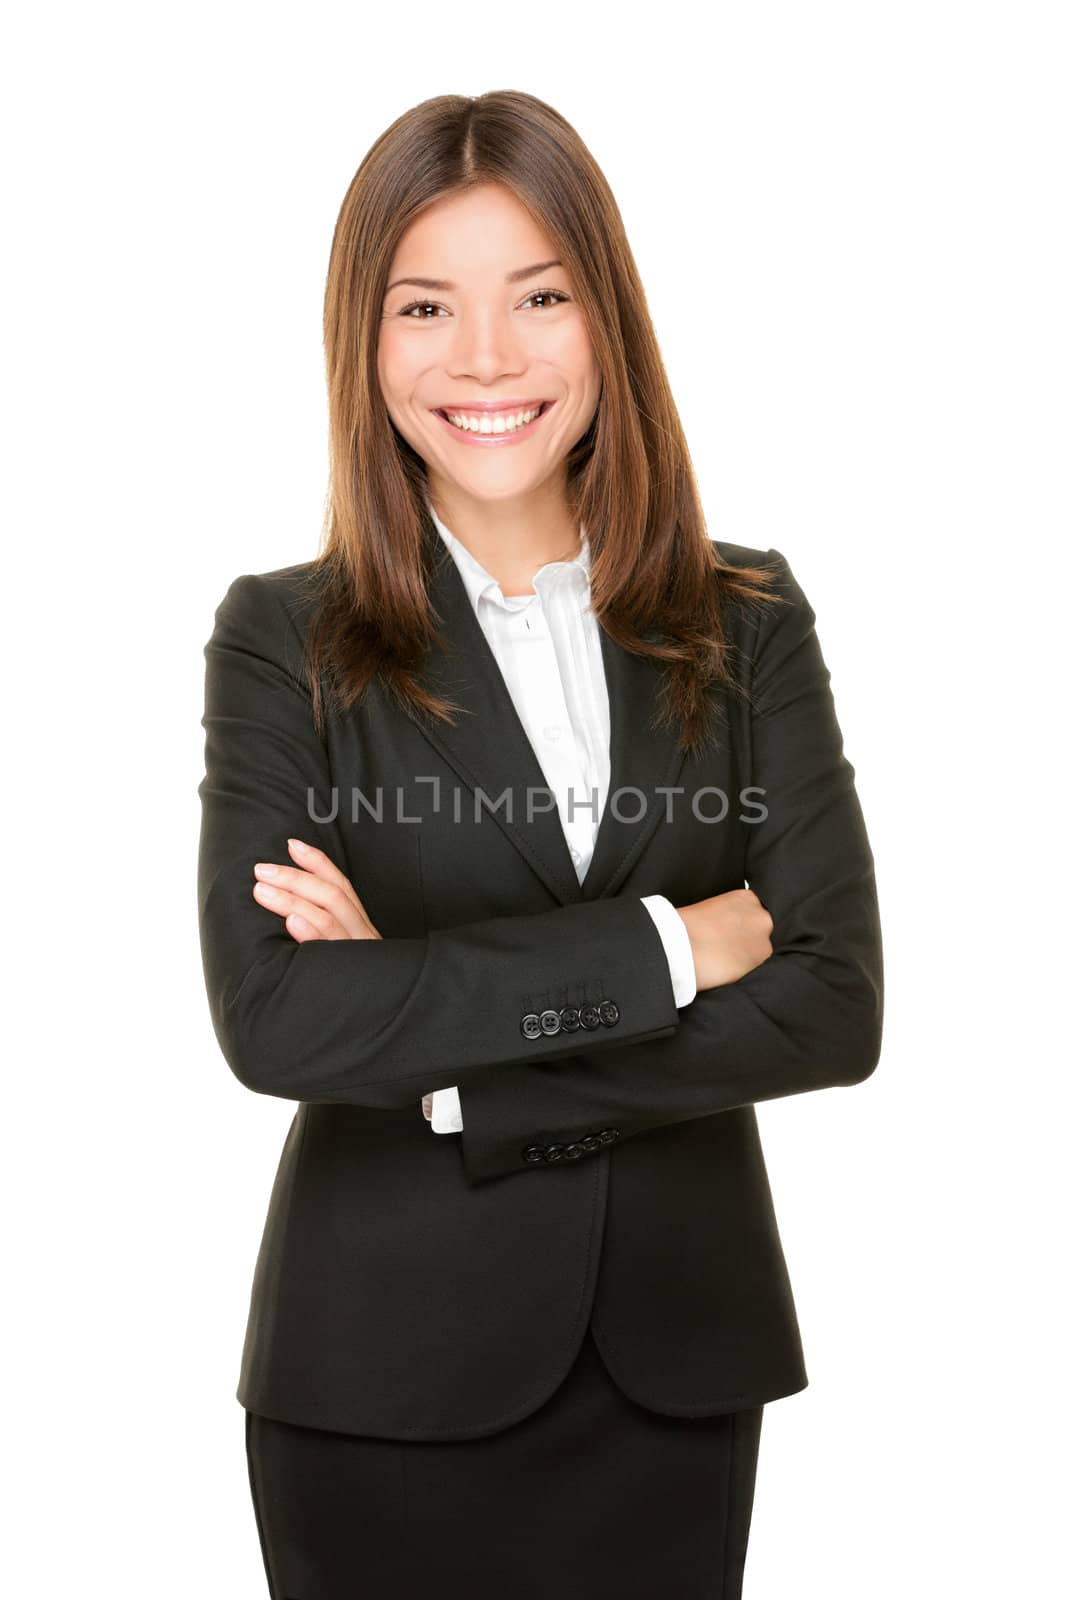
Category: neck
<point>512,538</point>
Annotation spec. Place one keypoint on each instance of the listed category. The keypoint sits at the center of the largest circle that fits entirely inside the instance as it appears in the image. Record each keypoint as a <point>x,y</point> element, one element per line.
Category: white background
<point>849,221</point>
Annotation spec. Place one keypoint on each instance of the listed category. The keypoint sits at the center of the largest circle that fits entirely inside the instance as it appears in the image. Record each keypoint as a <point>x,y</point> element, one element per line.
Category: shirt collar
<point>478,582</point>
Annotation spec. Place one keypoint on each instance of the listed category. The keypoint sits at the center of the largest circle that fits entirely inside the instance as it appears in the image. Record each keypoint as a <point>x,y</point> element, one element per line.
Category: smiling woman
<point>529,1344</point>
<point>490,362</point>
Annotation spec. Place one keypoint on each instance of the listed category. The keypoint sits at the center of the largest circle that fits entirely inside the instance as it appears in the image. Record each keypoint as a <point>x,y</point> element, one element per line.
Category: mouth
<point>482,427</point>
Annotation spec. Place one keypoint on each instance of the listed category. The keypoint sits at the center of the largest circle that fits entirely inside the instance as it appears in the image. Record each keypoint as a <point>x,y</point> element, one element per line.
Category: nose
<point>486,346</point>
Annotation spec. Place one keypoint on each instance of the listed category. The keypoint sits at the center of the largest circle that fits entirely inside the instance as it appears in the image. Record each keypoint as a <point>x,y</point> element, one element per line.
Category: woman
<point>525,811</point>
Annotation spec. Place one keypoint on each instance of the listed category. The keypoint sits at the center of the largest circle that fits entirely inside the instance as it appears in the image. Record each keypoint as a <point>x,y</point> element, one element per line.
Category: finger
<point>286,904</point>
<point>317,861</point>
<point>316,891</point>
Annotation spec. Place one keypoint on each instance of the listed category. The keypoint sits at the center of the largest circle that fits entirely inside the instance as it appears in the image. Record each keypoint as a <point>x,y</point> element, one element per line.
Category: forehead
<point>476,236</point>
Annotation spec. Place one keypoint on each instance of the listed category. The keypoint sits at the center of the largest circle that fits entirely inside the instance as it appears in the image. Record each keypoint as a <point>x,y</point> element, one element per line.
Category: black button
<point>573,1151</point>
<point>531,1025</point>
<point>533,1152</point>
<point>549,1021</point>
<point>608,1135</point>
<point>590,1016</point>
<point>609,1013</point>
<point>570,1019</point>
<point>555,1152</point>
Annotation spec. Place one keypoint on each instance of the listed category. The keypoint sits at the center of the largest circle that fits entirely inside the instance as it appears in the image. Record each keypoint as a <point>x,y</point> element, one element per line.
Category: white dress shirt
<point>547,644</point>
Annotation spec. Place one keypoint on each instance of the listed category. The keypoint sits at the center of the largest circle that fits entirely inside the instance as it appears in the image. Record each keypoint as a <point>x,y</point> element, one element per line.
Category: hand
<point>316,899</point>
<point>730,935</point>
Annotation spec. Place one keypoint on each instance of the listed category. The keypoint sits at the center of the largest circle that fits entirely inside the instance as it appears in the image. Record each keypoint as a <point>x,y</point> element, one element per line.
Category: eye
<point>545,294</point>
<point>420,306</point>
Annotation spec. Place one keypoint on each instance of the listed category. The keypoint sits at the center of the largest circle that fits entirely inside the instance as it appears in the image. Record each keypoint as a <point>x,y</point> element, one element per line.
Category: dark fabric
<point>417,1286</point>
<point>591,1496</point>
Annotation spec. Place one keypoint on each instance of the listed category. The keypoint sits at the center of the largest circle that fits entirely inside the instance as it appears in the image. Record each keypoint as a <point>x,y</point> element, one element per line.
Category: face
<point>488,332</point>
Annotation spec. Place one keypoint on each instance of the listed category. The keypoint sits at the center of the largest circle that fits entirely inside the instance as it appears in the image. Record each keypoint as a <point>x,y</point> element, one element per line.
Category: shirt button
<point>553,731</point>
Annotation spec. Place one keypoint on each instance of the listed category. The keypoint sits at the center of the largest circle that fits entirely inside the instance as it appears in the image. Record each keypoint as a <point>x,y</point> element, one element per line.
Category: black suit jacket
<point>414,1285</point>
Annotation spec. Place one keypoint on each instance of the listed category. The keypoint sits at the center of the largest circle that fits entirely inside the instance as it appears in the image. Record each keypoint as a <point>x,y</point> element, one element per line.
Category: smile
<point>494,428</point>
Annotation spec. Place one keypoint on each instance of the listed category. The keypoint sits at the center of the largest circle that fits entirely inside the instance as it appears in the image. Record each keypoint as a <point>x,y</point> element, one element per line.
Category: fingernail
<point>266,869</point>
<point>298,845</point>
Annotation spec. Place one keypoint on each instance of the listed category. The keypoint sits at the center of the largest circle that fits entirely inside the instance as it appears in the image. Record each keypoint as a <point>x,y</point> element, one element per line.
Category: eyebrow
<point>443,285</point>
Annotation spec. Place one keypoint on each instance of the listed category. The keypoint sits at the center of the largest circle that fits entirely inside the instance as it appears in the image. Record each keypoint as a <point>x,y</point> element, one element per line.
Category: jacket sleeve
<point>809,1017</point>
<point>446,1110</point>
<point>370,1022</point>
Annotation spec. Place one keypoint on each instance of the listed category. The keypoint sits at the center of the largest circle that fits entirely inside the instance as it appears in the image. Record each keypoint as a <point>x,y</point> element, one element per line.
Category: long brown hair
<point>659,588</point>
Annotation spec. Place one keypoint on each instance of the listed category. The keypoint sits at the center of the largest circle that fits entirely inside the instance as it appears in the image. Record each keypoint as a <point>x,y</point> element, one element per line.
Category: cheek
<point>398,377</point>
<point>398,368</point>
<point>571,350</point>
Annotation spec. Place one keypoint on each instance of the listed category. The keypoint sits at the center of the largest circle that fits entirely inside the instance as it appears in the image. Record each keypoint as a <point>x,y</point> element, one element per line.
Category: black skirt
<point>592,1495</point>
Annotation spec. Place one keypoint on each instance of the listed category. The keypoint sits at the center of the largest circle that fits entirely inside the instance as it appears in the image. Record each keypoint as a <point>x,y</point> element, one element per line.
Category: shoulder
<point>783,592</point>
<point>774,635</point>
<point>744,555</point>
<point>739,555</point>
<point>272,600</point>
<point>287,587</point>
<point>263,616</point>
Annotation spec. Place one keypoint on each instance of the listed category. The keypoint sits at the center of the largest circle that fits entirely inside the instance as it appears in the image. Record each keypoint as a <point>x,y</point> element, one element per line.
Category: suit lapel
<point>488,749</point>
<point>642,760</point>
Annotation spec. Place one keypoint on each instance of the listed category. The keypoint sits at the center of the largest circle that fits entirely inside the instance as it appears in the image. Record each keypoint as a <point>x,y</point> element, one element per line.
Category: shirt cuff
<point>676,947</point>
<point>446,1116</point>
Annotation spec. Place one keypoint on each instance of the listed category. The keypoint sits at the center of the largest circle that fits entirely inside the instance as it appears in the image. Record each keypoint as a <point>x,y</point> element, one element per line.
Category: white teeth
<point>494,422</point>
